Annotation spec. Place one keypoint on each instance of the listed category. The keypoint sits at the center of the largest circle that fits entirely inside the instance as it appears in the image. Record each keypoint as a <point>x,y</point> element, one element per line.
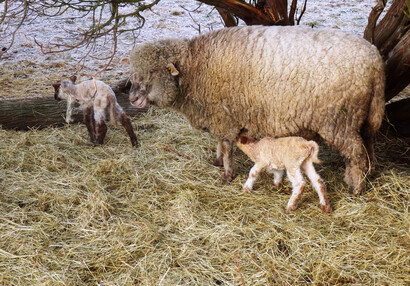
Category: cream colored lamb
<point>287,153</point>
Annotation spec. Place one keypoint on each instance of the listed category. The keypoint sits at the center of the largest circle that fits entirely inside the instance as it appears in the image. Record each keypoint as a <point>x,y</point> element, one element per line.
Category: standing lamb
<point>286,153</point>
<point>95,99</point>
<point>272,81</point>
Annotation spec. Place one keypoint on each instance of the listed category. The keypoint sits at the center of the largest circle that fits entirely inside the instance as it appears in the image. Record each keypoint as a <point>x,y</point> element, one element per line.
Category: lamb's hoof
<point>134,143</point>
<point>291,208</point>
<point>278,185</point>
<point>326,208</point>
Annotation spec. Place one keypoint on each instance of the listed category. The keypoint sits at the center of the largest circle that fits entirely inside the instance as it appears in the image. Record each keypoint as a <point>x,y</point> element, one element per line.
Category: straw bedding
<point>74,214</point>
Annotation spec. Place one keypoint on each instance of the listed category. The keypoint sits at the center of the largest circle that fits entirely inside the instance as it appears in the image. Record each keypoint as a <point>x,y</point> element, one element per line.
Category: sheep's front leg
<point>227,150</point>
<point>318,185</point>
<point>253,174</point>
<point>219,156</point>
<point>90,123</point>
<point>298,187</point>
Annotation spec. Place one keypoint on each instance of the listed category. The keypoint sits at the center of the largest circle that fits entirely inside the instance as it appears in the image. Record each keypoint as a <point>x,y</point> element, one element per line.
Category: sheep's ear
<point>56,85</point>
<point>73,78</point>
<point>172,69</point>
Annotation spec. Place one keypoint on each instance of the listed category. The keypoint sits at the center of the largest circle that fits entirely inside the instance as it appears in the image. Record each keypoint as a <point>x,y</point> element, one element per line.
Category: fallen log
<point>42,112</point>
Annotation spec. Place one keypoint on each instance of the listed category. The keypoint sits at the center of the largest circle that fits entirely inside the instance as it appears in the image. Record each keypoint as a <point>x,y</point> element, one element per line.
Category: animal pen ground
<point>74,214</point>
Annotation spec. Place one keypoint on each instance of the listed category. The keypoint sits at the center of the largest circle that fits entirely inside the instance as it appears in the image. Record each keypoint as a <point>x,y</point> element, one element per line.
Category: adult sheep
<point>272,81</point>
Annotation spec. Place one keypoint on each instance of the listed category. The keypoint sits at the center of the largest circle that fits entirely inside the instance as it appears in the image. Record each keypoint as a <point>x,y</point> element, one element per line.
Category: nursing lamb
<point>96,99</point>
<point>272,81</point>
<point>292,154</point>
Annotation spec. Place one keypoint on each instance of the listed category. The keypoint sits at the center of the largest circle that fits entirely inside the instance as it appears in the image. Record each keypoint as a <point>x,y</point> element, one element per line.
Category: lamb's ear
<point>73,78</point>
<point>243,140</point>
<point>172,69</point>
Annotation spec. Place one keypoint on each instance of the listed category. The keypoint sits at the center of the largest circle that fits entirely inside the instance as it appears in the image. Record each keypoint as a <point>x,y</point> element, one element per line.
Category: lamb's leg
<point>253,174</point>
<point>318,185</point>
<point>277,177</point>
<point>219,156</point>
<point>126,122</point>
<point>298,187</point>
<point>227,150</point>
<point>90,123</point>
<point>69,111</point>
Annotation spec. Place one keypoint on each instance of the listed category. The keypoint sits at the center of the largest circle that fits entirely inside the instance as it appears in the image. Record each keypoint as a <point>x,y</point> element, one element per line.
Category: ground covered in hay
<point>74,214</point>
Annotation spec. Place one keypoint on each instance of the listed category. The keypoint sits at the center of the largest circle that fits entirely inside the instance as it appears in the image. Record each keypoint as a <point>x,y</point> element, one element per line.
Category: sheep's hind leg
<point>356,164</point>
<point>90,123</point>
<point>318,185</point>
<point>298,187</point>
<point>126,122</point>
<point>350,146</point>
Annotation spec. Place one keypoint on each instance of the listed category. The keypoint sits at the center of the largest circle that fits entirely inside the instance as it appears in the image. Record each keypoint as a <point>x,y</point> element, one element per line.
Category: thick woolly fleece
<point>273,81</point>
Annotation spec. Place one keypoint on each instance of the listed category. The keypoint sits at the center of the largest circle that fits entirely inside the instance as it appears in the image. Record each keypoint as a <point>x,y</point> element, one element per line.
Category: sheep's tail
<point>113,111</point>
<point>313,151</point>
<point>377,104</point>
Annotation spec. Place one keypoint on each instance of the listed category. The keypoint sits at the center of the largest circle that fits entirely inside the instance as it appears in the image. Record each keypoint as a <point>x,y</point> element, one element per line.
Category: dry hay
<point>73,214</point>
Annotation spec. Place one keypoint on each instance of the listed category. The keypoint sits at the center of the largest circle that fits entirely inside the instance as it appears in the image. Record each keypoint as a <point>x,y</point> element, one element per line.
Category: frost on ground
<point>27,72</point>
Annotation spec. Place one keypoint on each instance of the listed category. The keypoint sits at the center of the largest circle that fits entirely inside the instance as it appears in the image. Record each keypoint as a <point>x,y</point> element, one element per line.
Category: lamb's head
<point>61,87</point>
<point>154,75</point>
<point>244,138</point>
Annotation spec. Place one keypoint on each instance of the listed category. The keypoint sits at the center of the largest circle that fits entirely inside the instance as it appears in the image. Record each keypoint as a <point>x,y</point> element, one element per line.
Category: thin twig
<point>176,152</point>
<point>239,270</point>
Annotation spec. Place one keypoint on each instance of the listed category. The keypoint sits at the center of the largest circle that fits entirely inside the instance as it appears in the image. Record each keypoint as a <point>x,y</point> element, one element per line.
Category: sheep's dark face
<point>153,79</point>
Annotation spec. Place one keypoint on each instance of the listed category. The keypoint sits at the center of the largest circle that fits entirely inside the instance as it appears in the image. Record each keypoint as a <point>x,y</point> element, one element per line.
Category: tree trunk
<point>398,115</point>
<point>264,12</point>
<point>42,112</point>
<point>392,37</point>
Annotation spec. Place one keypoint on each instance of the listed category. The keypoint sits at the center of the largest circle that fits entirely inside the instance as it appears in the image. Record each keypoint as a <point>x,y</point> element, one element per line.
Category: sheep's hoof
<point>246,190</point>
<point>356,191</point>
<point>326,208</point>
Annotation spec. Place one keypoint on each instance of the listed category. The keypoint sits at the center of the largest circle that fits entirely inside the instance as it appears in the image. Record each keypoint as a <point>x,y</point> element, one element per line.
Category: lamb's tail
<point>313,151</point>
